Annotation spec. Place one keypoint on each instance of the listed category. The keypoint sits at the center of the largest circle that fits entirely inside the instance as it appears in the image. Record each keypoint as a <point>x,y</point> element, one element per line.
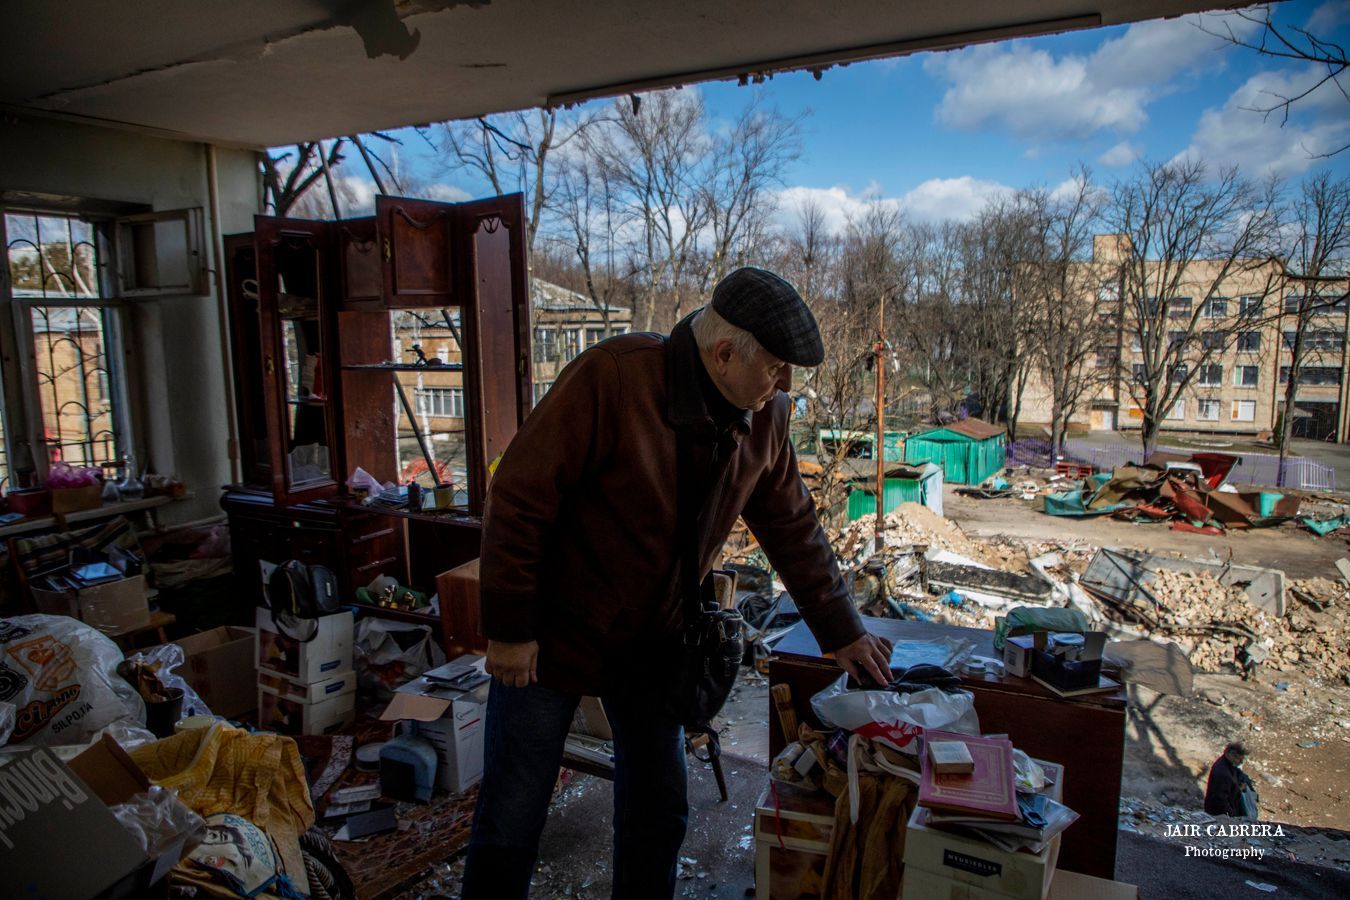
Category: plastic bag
<point>61,675</point>
<point>164,659</point>
<point>388,654</point>
<point>895,719</point>
<point>157,819</point>
<point>64,475</point>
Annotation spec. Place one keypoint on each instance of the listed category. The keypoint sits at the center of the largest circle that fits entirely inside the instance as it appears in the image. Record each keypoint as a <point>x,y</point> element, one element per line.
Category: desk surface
<point>799,643</point>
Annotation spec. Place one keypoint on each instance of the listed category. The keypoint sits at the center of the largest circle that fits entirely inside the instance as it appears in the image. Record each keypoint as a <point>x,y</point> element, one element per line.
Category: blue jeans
<point>523,746</point>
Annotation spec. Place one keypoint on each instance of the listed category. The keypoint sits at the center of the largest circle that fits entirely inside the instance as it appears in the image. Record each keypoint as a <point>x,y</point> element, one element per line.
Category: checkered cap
<point>772,310</point>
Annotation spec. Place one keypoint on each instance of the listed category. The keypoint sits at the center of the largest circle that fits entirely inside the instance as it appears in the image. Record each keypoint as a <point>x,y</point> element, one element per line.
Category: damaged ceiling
<point>263,73</point>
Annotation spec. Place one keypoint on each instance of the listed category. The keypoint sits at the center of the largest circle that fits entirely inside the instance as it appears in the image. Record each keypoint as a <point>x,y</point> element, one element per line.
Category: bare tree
<point>1185,243</point>
<point>653,150</point>
<point>588,214</point>
<point>1276,40</point>
<point>1072,337</point>
<point>1317,281</point>
<point>513,151</point>
<point>745,163</point>
<point>288,176</point>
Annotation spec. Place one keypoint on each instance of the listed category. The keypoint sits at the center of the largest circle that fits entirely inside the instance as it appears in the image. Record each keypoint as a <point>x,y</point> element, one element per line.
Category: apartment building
<point>1239,349</point>
<point>564,323</point>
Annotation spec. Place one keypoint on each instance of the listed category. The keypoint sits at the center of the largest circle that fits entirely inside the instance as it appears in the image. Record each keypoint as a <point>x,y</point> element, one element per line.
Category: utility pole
<point>881,420</point>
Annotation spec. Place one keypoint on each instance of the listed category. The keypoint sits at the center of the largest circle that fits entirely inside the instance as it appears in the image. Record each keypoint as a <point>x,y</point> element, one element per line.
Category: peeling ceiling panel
<point>262,73</point>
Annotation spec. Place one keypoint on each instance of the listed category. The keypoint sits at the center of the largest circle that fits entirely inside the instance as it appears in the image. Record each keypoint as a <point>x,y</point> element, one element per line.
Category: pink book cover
<point>991,790</point>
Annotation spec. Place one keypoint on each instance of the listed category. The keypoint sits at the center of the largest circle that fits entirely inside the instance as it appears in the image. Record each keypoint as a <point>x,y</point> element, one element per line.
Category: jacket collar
<point>685,405</point>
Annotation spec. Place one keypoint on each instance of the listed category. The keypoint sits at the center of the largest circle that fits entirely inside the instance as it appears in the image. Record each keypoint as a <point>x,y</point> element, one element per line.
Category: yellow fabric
<point>223,769</point>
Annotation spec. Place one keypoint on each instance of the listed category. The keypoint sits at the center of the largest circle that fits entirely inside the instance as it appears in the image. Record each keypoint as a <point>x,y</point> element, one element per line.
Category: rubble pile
<point>1216,623</point>
<point>913,523</point>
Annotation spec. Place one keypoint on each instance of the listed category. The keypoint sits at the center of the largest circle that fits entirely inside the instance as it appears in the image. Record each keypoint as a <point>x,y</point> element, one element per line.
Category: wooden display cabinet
<point>315,309</point>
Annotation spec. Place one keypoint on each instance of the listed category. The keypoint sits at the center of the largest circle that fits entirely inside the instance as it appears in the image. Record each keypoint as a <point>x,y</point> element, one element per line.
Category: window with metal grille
<point>70,331</point>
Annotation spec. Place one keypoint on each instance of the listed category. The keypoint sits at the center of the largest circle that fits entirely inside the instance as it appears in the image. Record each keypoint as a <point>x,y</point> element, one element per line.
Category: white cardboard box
<point>300,692</point>
<point>329,653</point>
<point>1064,886</point>
<point>452,720</point>
<point>983,871</point>
<point>285,715</point>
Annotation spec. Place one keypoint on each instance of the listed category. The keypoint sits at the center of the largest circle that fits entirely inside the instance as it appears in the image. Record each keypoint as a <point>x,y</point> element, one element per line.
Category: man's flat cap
<point>772,310</point>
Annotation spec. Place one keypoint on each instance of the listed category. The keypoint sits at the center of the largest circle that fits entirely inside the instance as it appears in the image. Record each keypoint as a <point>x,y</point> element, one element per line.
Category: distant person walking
<point>1227,783</point>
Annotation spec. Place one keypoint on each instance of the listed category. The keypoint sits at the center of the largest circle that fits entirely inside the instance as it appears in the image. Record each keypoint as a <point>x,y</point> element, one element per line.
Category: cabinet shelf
<point>401,367</point>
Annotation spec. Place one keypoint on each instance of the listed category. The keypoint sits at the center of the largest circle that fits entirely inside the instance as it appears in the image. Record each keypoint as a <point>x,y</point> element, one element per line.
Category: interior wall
<point>175,345</point>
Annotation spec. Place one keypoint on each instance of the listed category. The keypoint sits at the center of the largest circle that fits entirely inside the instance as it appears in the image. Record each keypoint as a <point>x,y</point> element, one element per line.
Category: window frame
<point>26,447</point>
<point>1233,407</point>
<point>1212,403</point>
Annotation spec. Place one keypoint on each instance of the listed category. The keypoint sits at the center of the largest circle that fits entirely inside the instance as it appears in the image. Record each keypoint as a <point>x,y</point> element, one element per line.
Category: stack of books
<point>969,784</point>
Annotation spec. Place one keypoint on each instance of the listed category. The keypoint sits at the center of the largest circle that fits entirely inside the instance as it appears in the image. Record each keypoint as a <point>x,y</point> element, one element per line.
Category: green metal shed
<point>904,484</point>
<point>969,451</point>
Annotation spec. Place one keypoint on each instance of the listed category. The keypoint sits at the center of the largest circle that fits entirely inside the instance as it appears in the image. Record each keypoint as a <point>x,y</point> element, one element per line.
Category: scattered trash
<point>1309,744</point>
<point>1262,886</point>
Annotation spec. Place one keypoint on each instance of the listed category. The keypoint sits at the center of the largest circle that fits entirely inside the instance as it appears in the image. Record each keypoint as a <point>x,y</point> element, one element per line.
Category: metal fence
<point>1254,469</point>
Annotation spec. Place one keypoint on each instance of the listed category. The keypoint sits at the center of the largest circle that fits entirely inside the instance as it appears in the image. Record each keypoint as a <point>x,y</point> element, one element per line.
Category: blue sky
<point>938,134</point>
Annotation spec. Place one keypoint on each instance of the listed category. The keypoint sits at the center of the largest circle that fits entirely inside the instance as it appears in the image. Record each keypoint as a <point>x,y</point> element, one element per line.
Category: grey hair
<point>709,328</point>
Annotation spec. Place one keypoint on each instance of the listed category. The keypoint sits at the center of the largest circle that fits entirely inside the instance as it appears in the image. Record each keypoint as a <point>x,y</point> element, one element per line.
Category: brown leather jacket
<point>579,546</point>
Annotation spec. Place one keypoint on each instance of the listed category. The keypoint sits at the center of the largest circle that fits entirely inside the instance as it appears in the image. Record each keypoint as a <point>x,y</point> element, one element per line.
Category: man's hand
<point>870,654</point>
<point>513,664</point>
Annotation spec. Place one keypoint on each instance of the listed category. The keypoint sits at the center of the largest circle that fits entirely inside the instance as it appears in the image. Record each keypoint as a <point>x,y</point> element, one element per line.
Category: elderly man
<point>1223,790</point>
<point>581,554</point>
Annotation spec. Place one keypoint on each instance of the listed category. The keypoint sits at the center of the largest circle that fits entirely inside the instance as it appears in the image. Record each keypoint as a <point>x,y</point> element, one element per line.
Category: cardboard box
<point>329,653</point>
<point>69,500</point>
<point>286,715</point>
<point>1064,886</point>
<point>452,720</point>
<point>985,871</point>
<point>72,803</point>
<point>793,828</point>
<point>114,608</point>
<point>300,692</point>
<point>1017,653</point>
<point>220,666</point>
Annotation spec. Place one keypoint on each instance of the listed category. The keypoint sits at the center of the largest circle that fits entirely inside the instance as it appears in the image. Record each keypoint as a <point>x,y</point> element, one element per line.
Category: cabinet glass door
<point>298,364</point>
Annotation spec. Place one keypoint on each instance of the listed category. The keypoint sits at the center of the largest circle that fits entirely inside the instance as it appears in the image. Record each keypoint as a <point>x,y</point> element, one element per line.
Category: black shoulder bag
<point>711,642</point>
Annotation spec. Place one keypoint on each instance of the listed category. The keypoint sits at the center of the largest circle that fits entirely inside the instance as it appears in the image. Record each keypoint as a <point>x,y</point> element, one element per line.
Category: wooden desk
<point>1085,735</point>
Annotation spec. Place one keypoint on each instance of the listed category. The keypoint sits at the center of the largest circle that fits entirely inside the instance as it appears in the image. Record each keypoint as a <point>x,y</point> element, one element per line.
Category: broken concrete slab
<point>1124,577</point>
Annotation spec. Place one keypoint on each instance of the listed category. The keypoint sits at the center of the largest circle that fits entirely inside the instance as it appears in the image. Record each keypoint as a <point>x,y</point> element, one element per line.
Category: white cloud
<point>1328,17</point>
<point>1033,93</point>
<point>1121,154</point>
<point>444,192</point>
<point>935,200</point>
<point>951,198</point>
<point>1239,133</point>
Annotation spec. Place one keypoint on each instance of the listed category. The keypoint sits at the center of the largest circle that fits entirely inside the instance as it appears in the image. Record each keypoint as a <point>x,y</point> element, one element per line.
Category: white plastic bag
<point>165,660</point>
<point>390,653</point>
<point>61,675</point>
<point>895,719</point>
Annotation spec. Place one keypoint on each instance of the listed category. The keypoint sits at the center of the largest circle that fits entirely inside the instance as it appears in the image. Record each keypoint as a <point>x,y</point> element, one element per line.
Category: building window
<point>1107,357</point>
<point>546,344</point>
<point>594,336</point>
<point>1215,308</point>
<point>1136,346</point>
<point>1134,413</point>
<point>1207,410</point>
<point>1313,375</point>
<point>1211,375</point>
<point>1178,411</point>
<point>1211,340</point>
<point>1246,376</point>
<point>1249,306</point>
<point>1243,411</point>
<point>1292,303</point>
<point>441,403</point>
<point>443,352</point>
<point>57,277</point>
<point>1139,373</point>
<point>1175,339</point>
<point>571,344</point>
<point>1179,308</point>
<point>619,329</point>
<point>1178,373</point>
<point>1249,342</point>
<point>540,389</point>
